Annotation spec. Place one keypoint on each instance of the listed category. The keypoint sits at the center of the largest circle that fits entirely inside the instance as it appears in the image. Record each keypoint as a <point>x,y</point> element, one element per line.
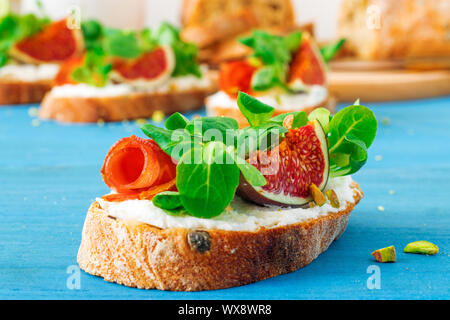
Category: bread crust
<point>20,92</point>
<point>139,255</point>
<point>119,108</point>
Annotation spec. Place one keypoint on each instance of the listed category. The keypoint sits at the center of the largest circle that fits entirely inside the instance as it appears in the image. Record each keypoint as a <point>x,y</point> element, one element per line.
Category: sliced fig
<point>54,44</point>
<point>307,66</point>
<point>66,69</point>
<point>290,169</point>
<point>236,76</point>
<point>149,69</point>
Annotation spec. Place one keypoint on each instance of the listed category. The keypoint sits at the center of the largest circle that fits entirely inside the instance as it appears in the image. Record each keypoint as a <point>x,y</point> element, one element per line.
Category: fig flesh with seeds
<point>299,161</point>
<point>56,43</point>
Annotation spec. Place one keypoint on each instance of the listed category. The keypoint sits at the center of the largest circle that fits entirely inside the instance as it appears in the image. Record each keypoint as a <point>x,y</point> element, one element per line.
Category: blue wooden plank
<point>49,174</point>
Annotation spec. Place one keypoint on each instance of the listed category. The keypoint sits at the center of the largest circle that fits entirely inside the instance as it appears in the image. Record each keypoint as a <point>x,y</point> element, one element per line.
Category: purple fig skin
<point>247,192</point>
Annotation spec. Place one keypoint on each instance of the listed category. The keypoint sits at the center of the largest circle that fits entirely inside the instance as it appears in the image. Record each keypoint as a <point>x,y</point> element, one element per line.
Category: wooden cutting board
<point>386,83</point>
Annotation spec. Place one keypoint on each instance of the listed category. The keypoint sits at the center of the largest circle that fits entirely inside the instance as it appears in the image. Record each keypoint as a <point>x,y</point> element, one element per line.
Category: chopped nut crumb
<point>381,208</point>
<point>141,121</point>
<point>386,121</point>
<point>33,112</point>
<point>385,254</point>
<point>158,116</point>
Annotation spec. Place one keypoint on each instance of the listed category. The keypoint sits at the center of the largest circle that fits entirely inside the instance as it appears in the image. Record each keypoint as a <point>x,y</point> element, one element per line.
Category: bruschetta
<point>31,50</point>
<point>128,75</point>
<point>205,205</point>
<point>287,72</point>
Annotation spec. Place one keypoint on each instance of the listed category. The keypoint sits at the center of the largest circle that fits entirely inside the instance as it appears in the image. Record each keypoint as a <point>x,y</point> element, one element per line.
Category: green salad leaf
<point>255,111</point>
<point>185,53</point>
<point>329,51</point>
<point>275,52</point>
<point>168,200</point>
<point>351,132</point>
<point>323,116</point>
<point>120,43</point>
<point>92,33</point>
<point>176,121</point>
<point>250,173</point>
<point>94,71</point>
<point>207,179</point>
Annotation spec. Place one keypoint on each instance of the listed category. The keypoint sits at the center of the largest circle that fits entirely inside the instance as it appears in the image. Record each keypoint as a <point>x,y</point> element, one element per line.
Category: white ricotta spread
<point>86,91</point>
<point>29,72</point>
<point>173,84</point>
<point>240,216</point>
<point>283,101</point>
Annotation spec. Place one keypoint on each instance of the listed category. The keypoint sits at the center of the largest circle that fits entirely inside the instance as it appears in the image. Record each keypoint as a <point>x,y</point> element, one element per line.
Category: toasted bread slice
<point>223,27</point>
<point>124,107</point>
<point>267,12</point>
<point>21,92</point>
<point>143,256</point>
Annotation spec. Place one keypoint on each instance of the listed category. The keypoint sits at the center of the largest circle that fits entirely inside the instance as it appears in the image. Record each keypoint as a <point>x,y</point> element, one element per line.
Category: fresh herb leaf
<point>261,137</point>
<point>95,70</point>
<point>207,179</point>
<point>122,44</point>
<point>256,112</point>
<point>275,52</point>
<point>323,116</point>
<point>300,119</point>
<point>351,132</point>
<point>185,53</point>
<point>220,129</point>
<point>3,59</point>
<point>173,142</point>
<point>251,174</point>
<point>168,200</point>
<point>293,41</point>
<point>264,79</point>
<point>176,121</point>
<point>329,51</point>
<point>92,33</point>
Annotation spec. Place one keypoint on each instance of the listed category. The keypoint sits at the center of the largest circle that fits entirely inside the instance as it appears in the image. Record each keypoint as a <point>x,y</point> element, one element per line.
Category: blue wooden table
<point>49,175</point>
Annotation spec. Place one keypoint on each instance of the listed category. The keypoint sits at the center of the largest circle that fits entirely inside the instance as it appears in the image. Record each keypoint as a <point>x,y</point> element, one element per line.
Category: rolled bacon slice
<point>134,165</point>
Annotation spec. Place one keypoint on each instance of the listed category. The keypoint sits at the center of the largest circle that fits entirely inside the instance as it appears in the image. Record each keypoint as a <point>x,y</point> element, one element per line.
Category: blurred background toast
<point>215,25</point>
<point>386,29</point>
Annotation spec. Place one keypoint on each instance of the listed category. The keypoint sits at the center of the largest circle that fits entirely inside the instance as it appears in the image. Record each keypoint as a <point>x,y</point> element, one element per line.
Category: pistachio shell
<point>334,200</point>
<point>385,254</point>
<point>422,247</point>
<point>317,195</point>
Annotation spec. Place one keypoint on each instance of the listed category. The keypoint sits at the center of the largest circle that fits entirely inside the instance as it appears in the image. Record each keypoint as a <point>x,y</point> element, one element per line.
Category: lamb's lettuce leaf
<point>329,51</point>
<point>351,132</point>
<point>275,53</point>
